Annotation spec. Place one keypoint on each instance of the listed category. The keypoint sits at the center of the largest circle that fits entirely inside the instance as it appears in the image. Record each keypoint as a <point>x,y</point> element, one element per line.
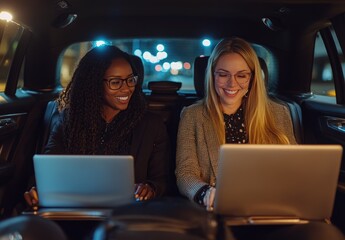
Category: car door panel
<point>324,124</point>
<point>20,119</point>
<point>9,130</point>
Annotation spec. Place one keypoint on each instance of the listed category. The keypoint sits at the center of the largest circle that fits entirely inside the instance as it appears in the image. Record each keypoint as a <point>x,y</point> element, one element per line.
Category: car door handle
<point>7,125</point>
<point>336,124</point>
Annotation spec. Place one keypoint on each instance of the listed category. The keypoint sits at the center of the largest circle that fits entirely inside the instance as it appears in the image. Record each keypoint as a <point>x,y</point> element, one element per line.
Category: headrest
<point>166,87</point>
<point>200,65</point>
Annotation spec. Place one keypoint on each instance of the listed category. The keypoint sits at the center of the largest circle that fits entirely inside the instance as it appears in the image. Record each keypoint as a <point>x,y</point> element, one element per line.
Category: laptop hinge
<point>263,220</point>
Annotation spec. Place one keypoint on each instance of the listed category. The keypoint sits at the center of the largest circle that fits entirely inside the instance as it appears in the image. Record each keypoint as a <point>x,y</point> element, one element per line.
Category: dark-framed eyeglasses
<point>116,83</point>
<point>240,77</point>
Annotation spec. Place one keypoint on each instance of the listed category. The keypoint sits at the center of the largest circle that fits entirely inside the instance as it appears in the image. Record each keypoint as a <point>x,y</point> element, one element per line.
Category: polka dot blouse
<point>235,131</point>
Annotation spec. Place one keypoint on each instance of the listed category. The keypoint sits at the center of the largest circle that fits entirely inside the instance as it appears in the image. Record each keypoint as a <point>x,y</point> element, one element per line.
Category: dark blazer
<point>150,148</point>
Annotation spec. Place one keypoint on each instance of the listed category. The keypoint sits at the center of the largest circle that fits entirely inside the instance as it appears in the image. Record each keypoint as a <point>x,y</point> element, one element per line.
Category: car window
<point>163,59</point>
<point>10,34</point>
<point>322,75</point>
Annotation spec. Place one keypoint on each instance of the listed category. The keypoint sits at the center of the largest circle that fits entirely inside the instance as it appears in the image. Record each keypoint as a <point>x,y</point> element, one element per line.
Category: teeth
<point>231,92</point>
<point>122,98</point>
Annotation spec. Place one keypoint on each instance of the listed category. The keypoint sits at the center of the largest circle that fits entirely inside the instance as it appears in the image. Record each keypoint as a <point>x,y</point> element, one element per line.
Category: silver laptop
<point>84,180</point>
<point>270,184</point>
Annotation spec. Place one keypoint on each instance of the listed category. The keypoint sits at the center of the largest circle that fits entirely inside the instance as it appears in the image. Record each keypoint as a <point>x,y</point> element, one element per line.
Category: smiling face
<point>117,100</point>
<point>231,91</point>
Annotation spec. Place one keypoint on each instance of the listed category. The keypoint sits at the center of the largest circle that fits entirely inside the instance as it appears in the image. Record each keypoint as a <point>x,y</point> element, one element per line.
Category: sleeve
<point>286,126</point>
<point>55,143</point>
<point>158,165</point>
<point>188,172</point>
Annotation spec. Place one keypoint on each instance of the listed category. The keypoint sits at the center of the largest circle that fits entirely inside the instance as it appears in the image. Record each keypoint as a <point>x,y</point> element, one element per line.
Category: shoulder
<point>278,106</point>
<point>57,119</point>
<point>281,111</point>
<point>194,109</point>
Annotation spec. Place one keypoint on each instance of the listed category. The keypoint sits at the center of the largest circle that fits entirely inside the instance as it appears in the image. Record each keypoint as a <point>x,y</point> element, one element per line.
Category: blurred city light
<point>174,71</point>
<point>160,47</point>
<point>158,68</point>
<point>186,65</point>
<point>153,59</point>
<point>166,66</point>
<point>147,55</point>
<point>138,52</point>
<point>206,42</point>
<point>176,65</point>
<point>162,55</point>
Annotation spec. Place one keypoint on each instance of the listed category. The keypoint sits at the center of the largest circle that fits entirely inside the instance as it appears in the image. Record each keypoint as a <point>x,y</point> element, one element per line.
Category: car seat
<point>30,228</point>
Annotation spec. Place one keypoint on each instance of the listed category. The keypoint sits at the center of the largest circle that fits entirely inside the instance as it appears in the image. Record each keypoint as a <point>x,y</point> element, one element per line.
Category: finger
<point>34,198</point>
<point>139,190</point>
<point>149,195</point>
<point>27,198</point>
<point>143,193</point>
<point>211,198</point>
<point>149,192</point>
<point>206,198</point>
<point>34,194</point>
<point>138,187</point>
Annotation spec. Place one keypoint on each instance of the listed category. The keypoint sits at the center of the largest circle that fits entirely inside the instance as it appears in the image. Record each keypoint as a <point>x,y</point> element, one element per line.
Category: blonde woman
<point>236,109</point>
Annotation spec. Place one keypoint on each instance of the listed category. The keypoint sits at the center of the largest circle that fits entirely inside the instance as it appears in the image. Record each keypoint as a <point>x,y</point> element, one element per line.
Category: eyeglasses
<point>241,77</point>
<point>116,83</point>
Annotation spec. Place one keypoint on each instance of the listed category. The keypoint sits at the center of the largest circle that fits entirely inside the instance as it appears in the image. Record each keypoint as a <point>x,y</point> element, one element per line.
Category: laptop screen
<point>84,180</point>
<point>277,180</point>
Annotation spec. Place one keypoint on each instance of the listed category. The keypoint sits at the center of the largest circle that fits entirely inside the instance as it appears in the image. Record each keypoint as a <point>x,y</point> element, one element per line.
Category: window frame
<point>335,62</point>
<point>12,79</point>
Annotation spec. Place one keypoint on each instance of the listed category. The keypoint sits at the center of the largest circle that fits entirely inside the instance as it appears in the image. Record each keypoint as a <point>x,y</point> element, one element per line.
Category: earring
<point>246,95</point>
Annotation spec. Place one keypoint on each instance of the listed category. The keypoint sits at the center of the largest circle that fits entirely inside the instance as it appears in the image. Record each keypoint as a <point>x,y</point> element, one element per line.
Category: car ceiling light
<point>100,43</point>
<point>65,16</point>
<point>272,23</point>
<point>6,16</point>
<point>62,4</point>
<point>64,19</point>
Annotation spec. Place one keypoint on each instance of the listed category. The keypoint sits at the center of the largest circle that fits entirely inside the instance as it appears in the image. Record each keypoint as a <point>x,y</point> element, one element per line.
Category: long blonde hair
<point>259,121</point>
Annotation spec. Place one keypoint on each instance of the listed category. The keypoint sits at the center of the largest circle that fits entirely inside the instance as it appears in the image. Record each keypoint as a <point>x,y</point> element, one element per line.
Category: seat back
<point>30,227</point>
<point>164,218</point>
<point>200,65</point>
<point>165,101</point>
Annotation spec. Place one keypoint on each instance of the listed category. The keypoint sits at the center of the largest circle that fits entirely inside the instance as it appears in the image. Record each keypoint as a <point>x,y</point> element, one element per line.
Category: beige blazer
<point>198,146</point>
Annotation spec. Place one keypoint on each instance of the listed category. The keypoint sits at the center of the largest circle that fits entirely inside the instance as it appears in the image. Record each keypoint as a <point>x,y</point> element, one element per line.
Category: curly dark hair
<point>81,104</point>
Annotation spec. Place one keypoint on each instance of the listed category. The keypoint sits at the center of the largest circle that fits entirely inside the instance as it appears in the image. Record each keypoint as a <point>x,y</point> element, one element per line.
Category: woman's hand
<point>209,198</point>
<point>31,198</point>
<point>143,191</point>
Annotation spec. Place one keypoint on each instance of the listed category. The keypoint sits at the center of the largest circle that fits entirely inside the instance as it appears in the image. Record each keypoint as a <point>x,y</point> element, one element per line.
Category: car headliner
<point>296,23</point>
<point>171,18</point>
